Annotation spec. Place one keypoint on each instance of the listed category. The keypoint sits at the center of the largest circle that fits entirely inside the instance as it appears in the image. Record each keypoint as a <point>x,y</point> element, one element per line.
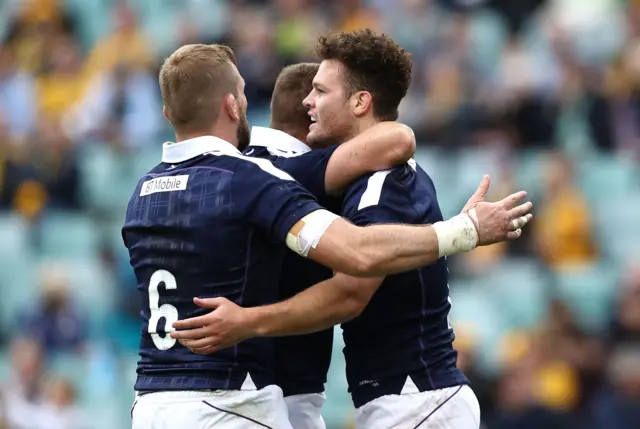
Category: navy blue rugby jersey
<point>402,341</point>
<point>208,222</point>
<point>302,361</point>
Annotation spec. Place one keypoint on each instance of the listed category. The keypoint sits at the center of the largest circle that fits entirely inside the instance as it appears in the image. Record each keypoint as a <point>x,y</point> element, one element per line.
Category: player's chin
<point>314,136</point>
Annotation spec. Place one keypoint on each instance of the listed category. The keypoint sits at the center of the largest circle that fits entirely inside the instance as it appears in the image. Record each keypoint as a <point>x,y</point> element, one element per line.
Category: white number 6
<point>168,311</point>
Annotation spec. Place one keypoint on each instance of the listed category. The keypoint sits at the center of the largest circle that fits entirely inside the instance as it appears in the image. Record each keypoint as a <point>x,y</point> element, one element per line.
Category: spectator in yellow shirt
<point>126,44</point>
<point>60,86</point>
<point>563,229</point>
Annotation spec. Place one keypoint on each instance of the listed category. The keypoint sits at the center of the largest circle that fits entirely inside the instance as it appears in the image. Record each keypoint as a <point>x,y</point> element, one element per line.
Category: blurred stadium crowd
<point>542,94</point>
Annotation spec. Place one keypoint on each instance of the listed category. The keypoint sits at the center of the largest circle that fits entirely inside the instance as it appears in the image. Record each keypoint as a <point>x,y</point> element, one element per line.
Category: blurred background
<point>542,94</point>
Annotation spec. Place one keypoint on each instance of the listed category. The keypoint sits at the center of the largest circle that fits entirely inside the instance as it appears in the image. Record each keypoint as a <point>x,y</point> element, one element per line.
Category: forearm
<point>381,147</point>
<point>379,250</point>
<point>320,307</point>
<point>391,249</point>
<point>386,145</point>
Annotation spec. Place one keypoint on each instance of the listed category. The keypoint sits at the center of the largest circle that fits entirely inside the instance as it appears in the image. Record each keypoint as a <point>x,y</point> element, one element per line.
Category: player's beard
<point>243,135</point>
<point>330,137</point>
<point>331,128</point>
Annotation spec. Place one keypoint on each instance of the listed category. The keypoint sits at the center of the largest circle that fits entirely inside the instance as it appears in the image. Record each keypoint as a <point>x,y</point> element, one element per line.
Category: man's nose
<point>308,102</point>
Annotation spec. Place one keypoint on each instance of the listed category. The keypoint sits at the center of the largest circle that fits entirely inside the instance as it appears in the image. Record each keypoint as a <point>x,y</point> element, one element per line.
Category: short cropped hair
<point>374,63</point>
<point>193,81</point>
<point>292,86</point>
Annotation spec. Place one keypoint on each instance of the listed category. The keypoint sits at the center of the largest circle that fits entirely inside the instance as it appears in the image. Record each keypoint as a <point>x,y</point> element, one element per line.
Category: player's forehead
<point>329,74</point>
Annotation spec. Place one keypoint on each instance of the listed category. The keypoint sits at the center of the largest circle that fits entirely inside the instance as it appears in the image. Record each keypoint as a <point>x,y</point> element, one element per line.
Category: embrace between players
<point>214,219</point>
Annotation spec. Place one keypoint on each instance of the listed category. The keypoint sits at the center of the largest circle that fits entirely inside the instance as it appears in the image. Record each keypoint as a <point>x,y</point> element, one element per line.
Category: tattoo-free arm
<point>376,250</point>
<point>319,307</point>
<point>383,146</point>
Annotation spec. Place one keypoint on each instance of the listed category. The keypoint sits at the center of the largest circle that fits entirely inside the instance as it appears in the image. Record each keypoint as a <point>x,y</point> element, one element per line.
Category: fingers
<point>483,188</point>
<point>514,235</point>
<point>192,323</point>
<point>199,344</point>
<point>190,334</point>
<point>209,302</point>
<point>521,210</point>
<point>521,221</point>
<point>205,350</point>
<point>513,199</point>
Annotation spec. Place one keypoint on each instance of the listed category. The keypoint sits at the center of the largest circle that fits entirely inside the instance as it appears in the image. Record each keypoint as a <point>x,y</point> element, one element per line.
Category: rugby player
<point>302,361</point>
<point>400,359</point>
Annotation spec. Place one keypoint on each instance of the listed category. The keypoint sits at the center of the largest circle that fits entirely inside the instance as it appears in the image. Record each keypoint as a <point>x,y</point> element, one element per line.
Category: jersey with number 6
<point>402,341</point>
<point>208,222</point>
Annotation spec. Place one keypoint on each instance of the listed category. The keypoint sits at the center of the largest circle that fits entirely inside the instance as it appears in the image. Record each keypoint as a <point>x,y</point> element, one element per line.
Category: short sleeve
<point>269,198</point>
<point>309,169</point>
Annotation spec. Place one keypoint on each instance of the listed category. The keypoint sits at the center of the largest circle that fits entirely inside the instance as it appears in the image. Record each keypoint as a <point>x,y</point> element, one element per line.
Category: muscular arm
<point>380,147</point>
<point>378,250</point>
<point>381,250</point>
<point>322,306</point>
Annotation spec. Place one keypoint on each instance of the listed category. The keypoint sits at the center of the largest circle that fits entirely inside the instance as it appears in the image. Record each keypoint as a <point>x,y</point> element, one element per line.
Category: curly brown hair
<point>375,63</point>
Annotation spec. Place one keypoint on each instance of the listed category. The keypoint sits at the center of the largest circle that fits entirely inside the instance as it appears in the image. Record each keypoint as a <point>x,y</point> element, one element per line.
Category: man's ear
<point>361,103</point>
<point>165,112</point>
<point>231,107</point>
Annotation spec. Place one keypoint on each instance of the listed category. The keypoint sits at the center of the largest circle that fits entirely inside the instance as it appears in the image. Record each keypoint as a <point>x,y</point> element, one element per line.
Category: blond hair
<point>193,82</point>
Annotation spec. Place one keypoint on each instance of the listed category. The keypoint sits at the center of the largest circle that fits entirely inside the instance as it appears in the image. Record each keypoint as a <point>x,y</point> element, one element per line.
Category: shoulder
<point>402,194</point>
<point>259,167</point>
<point>370,189</point>
<point>248,167</point>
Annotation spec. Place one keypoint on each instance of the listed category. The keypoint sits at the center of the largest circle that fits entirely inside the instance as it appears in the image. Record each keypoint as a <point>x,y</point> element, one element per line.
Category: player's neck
<point>365,123</point>
<point>297,133</point>
<point>230,136</point>
<point>302,136</point>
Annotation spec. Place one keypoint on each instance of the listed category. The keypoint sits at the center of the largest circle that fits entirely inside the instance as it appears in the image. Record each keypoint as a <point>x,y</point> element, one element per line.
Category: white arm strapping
<point>457,235</point>
<point>315,225</point>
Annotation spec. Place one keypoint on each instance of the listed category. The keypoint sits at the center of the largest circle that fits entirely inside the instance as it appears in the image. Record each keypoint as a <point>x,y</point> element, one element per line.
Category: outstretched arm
<point>380,147</point>
<point>322,306</point>
<point>380,250</point>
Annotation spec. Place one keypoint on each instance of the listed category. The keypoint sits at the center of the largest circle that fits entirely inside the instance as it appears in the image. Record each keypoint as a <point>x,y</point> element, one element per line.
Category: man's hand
<point>498,221</point>
<point>224,327</point>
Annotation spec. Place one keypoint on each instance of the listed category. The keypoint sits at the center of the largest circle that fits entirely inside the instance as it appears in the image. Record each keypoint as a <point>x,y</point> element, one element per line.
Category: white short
<point>450,408</point>
<point>230,409</point>
<point>305,411</point>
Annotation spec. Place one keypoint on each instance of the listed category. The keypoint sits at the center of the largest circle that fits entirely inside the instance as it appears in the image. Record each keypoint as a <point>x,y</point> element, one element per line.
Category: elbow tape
<point>314,226</point>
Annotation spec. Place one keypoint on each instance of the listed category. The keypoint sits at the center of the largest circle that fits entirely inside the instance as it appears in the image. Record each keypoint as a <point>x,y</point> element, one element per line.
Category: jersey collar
<point>173,153</point>
<point>277,142</point>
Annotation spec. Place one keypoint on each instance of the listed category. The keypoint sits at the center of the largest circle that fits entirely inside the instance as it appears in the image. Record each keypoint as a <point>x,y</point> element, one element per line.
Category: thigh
<point>451,408</point>
<point>264,408</point>
<point>460,411</point>
<point>237,409</point>
<point>305,411</point>
<point>154,413</point>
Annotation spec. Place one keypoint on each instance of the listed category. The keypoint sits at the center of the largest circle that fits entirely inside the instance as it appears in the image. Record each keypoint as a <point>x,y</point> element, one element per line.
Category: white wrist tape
<point>315,225</point>
<point>456,235</point>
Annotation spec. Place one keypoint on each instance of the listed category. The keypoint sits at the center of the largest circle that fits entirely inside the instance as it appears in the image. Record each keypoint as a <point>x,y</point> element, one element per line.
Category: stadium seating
<point>68,236</point>
<point>511,296</point>
<point>588,291</point>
